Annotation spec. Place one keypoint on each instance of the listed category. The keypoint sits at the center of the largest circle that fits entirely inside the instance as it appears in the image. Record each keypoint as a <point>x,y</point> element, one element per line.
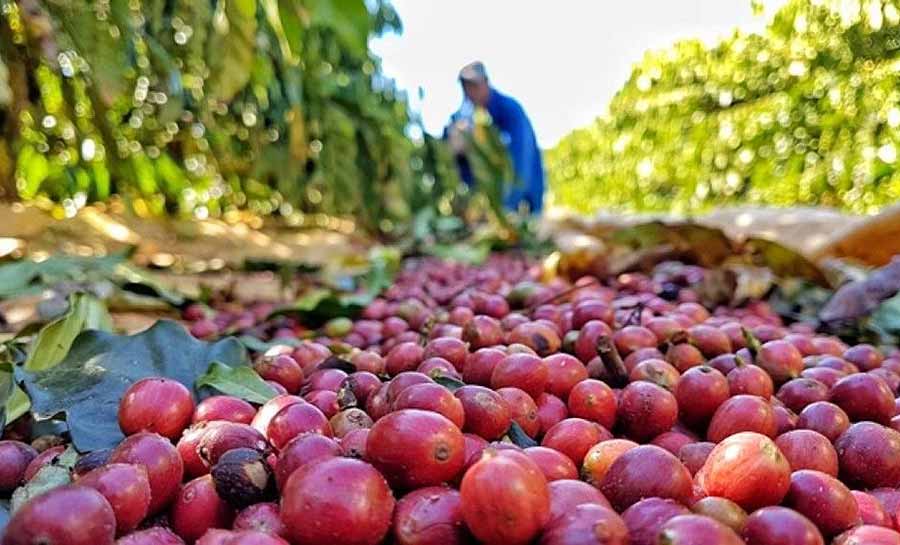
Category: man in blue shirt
<point>517,133</point>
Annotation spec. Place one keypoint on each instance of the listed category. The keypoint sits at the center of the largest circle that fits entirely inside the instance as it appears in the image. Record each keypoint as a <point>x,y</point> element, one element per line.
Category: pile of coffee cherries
<point>484,405</point>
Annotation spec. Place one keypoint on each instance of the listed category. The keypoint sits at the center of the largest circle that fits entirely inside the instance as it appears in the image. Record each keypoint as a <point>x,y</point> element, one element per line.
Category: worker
<point>527,191</point>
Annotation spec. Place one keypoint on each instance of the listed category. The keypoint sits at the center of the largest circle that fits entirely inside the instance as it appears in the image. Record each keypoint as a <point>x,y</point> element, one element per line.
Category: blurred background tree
<point>806,113</point>
<point>202,107</point>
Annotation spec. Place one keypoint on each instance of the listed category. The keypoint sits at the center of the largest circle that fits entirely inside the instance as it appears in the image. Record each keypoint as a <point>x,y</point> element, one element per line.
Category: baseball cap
<point>474,71</point>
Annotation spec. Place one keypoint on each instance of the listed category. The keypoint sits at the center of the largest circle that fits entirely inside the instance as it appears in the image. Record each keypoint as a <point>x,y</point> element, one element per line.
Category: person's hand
<point>457,139</point>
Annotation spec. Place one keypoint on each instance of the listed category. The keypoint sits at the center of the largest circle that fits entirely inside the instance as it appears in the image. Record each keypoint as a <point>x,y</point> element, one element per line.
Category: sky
<point>563,60</point>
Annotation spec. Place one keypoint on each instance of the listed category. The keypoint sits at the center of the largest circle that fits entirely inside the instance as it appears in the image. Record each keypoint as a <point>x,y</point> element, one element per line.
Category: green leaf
<point>384,265</point>
<point>141,282</point>
<point>518,436</point>
<point>313,298</point>
<point>462,252</point>
<point>55,474</point>
<point>103,42</point>
<point>7,387</point>
<point>15,277</point>
<point>5,91</point>
<point>255,344</point>
<point>241,381</point>
<point>348,18</point>
<point>53,341</point>
<point>450,383</point>
<point>171,74</point>
<point>13,401</point>
<point>89,382</point>
<point>887,317</point>
<point>284,17</point>
<point>753,344</point>
<point>17,404</point>
<point>34,169</point>
<point>798,300</point>
<point>275,265</point>
<point>231,48</point>
<point>320,305</point>
<point>26,276</point>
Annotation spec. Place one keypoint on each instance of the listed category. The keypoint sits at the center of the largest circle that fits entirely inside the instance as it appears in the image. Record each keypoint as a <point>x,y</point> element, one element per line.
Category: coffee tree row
<point>807,112</point>
<point>198,107</point>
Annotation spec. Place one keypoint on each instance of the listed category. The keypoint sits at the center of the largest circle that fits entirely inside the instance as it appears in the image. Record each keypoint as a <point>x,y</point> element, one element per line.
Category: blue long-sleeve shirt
<point>518,135</point>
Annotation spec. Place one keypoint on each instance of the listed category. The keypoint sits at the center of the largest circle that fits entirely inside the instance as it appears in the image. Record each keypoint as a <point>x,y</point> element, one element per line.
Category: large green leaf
<point>231,48</point>
<point>348,18</point>
<point>88,384</point>
<point>52,343</point>
<point>240,381</point>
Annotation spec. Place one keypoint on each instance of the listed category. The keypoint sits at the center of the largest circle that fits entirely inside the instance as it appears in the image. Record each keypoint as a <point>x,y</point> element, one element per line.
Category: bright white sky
<point>562,59</point>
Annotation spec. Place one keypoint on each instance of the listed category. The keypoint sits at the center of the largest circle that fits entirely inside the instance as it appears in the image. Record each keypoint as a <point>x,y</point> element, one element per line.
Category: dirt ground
<point>189,254</point>
<point>818,233</point>
<point>195,254</point>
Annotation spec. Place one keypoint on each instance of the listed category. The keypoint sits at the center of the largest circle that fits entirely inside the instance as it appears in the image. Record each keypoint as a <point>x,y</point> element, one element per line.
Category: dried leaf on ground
<point>859,299</point>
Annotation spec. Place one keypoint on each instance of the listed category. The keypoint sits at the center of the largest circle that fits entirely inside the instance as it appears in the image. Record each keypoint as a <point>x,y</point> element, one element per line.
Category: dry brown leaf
<point>872,242</point>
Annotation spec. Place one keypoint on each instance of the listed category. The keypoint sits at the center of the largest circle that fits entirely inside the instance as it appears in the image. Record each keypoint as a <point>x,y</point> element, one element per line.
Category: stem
<point>752,342</point>
<point>569,291</point>
<point>612,361</point>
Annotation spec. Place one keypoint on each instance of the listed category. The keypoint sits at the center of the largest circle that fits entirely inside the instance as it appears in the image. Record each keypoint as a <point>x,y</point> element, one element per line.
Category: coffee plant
<point>807,112</point>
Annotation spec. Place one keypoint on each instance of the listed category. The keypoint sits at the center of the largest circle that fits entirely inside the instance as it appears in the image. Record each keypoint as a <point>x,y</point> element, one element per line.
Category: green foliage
<point>319,305</point>
<point>241,381</point>
<point>28,277</point>
<point>89,382</point>
<point>807,112</point>
<point>491,165</point>
<point>53,341</point>
<point>202,107</point>
<point>13,401</point>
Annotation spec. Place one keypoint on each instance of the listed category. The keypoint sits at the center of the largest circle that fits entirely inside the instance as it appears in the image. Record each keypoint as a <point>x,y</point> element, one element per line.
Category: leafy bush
<point>808,112</point>
<point>204,106</point>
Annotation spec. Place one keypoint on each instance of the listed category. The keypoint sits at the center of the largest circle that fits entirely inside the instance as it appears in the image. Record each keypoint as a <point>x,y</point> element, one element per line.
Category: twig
<point>573,289</point>
<point>612,361</point>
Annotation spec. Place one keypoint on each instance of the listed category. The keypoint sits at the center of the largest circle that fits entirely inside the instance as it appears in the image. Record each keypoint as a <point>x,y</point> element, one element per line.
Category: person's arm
<point>522,150</point>
<point>454,138</point>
